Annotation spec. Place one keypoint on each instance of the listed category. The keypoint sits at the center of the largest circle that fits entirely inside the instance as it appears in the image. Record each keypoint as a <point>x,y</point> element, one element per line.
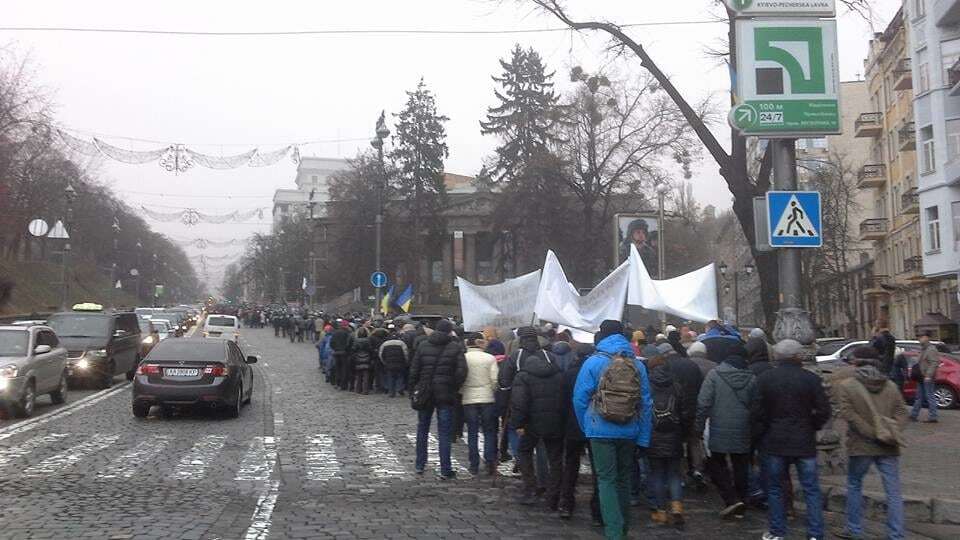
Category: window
<point>928,160</point>
<point>919,8</point>
<point>949,53</point>
<point>955,210</point>
<point>953,139</point>
<point>924,73</point>
<point>933,228</point>
<point>46,337</point>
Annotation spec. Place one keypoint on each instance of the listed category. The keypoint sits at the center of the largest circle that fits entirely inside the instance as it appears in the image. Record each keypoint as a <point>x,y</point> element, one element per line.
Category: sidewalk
<point>929,474</point>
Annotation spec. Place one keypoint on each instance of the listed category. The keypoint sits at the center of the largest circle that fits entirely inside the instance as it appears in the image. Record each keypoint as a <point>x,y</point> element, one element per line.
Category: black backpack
<point>665,416</point>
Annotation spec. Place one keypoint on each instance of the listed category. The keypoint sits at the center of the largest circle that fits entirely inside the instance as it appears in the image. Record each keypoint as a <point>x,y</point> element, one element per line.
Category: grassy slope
<point>37,286</point>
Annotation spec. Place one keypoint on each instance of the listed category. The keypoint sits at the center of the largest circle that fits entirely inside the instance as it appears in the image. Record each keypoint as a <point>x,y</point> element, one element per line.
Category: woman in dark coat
<point>673,419</point>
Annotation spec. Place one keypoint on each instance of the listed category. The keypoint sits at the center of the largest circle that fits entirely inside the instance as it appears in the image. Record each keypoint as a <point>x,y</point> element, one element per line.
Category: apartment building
<point>899,292</point>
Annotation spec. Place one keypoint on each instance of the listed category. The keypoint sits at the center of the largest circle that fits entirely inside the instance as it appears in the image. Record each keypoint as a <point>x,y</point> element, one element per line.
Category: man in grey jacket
<point>929,363</point>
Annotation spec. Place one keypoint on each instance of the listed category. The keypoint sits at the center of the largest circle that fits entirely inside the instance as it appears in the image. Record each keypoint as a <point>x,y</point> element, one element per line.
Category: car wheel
<point>140,409</point>
<point>249,395</point>
<point>133,369</point>
<point>59,396</point>
<point>24,406</point>
<point>234,408</point>
<point>106,378</point>
<point>946,397</point>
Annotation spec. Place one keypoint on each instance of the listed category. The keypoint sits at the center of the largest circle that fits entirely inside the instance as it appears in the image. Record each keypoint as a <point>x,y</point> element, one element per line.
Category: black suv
<point>99,345</point>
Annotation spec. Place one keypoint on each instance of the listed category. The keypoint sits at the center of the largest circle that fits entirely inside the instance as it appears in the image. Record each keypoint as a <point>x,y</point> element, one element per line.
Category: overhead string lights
<point>177,158</point>
<point>192,216</point>
<point>203,243</point>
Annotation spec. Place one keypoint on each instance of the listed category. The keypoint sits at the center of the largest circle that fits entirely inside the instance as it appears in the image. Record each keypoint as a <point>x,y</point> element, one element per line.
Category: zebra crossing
<point>322,457</point>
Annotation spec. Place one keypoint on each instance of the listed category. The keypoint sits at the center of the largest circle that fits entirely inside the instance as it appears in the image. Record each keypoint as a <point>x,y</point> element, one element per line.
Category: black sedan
<point>208,372</point>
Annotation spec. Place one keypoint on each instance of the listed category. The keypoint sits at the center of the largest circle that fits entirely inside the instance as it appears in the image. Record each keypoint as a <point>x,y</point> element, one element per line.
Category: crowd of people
<point>656,413</point>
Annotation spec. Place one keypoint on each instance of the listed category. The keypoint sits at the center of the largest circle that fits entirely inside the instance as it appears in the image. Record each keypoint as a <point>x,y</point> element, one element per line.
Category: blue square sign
<point>794,219</point>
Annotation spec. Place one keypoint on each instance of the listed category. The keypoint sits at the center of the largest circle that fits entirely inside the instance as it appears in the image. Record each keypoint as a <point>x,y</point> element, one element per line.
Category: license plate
<point>181,372</point>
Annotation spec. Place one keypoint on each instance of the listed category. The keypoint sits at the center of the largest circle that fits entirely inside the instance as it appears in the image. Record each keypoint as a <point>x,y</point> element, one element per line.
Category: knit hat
<point>650,351</point>
<point>698,349</point>
<point>758,333</point>
<point>669,328</point>
<point>527,332</point>
<point>444,326</point>
<point>608,328</point>
<point>787,350</point>
<point>665,348</point>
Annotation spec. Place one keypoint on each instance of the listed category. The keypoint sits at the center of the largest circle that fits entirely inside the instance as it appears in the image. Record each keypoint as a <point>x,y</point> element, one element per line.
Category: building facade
<point>312,185</point>
<point>899,291</point>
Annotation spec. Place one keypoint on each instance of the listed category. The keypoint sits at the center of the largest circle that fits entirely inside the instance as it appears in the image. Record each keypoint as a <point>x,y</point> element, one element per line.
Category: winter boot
<point>659,517</point>
<point>676,514</point>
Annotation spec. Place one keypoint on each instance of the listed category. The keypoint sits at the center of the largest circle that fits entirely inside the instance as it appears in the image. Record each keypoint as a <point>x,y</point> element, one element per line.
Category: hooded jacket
<point>667,440</point>
<point>759,359</point>
<point>393,354</point>
<point>341,341</point>
<point>481,382</point>
<point>725,399</point>
<point>595,426</point>
<point>563,355</point>
<point>572,429</point>
<point>791,407</point>
<point>861,422</point>
<point>929,361</point>
<point>362,355</point>
<point>687,374</point>
<point>536,400</point>
<point>439,359</point>
<point>673,338</point>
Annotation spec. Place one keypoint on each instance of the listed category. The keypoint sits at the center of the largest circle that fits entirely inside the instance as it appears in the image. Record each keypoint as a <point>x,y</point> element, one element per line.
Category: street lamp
<point>747,271</point>
<point>382,133</point>
<point>662,190</point>
<point>69,195</point>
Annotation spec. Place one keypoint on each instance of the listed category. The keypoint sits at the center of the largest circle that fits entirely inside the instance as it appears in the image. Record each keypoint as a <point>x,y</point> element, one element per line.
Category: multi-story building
<point>899,291</point>
<point>313,178</point>
<point>935,48</point>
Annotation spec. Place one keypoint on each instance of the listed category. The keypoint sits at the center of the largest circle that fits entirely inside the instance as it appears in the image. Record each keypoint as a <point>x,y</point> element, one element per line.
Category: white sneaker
<point>770,536</point>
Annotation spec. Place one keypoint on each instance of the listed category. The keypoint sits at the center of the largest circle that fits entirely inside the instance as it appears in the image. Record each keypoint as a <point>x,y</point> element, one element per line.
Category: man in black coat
<point>439,367</point>
<point>537,412</point>
<point>790,408</point>
<point>340,343</point>
<point>574,443</point>
<point>688,375</point>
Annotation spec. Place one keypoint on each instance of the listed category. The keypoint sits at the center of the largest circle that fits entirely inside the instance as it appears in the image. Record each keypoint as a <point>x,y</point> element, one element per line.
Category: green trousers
<point>613,460</point>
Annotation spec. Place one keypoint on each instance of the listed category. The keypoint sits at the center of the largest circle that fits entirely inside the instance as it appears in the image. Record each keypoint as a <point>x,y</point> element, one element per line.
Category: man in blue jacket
<point>613,445</point>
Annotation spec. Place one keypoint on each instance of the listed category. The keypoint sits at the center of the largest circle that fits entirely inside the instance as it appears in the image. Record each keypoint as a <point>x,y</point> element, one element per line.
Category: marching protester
<point>574,445</point>
<point>341,343</point>
<point>479,408</point>
<point>393,355</point>
<point>790,408</point>
<point>614,408</point>
<point>687,374</point>
<point>926,375</point>
<point>362,360</point>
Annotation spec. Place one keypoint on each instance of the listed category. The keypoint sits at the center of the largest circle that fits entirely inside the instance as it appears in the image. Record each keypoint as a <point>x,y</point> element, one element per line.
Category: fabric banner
<point>506,305</point>
<point>559,302</point>
<point>691,296</point>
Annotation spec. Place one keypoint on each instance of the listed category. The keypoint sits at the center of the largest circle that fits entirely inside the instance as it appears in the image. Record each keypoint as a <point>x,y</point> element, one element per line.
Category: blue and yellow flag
<point>405,300</point>
<point>385,303</point>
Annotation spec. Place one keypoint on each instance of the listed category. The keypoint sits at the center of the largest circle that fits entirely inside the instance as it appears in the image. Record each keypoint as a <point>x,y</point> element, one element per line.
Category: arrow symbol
<point>745,115</point>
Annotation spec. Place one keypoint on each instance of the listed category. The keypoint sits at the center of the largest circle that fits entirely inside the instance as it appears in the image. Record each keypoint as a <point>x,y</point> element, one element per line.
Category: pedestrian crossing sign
<point>794,219</point>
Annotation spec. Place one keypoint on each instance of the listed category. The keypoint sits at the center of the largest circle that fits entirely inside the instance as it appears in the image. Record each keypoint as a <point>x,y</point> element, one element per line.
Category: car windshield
<point>161,326</point>
<point>69,325</point>
<point>830,347</point>
<point>144,326</point>
<point>189,350</point>
<point>13,343</point>
<point>220,321</point>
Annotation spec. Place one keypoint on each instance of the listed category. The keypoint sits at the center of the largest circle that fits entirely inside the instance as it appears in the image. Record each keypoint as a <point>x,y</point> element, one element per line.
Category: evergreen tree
<point>419,148</point>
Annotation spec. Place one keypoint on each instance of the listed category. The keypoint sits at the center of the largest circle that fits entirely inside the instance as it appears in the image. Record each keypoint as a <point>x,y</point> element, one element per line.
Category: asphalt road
<point>302,461</point>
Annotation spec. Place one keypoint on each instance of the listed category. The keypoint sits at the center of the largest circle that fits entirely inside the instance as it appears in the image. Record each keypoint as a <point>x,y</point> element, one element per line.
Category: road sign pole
<point>793,322</point>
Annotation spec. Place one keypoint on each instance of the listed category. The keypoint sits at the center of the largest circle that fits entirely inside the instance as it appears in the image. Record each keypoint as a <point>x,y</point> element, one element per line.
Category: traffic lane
<point>102,472</point>
<point>45,405</point>
<point>339,477</point>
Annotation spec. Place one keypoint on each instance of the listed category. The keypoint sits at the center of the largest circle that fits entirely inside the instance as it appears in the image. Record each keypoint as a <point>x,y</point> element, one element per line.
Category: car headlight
<point>99,353</point>
<point>83,363</point>
<point>9,371</point>
<point>148,340</point>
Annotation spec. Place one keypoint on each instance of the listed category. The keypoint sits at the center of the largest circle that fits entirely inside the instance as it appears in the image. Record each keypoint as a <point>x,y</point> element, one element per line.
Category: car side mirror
<point>119,333</point>
<point>42,349</point>
<point>253,359</point>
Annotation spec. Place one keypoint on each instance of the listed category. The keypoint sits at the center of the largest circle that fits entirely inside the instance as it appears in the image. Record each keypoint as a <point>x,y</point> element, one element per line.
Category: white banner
<point>559,302</point>
<point>691,296</point>
<point>507,305</point>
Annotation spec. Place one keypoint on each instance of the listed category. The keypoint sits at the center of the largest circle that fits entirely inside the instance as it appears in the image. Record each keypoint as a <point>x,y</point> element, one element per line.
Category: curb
<point>933,510</point>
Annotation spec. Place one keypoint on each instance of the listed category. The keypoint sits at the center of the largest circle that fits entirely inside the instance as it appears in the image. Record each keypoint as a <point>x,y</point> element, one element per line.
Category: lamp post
<point>69,195</point>
<point>662,190</point>
<point>747,271</point>
<point>139,247</point>
<point>381,134</point>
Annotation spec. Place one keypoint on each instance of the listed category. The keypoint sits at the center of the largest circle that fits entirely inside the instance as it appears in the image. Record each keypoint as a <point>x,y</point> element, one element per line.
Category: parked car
<point>947,387</point>
<point>828,346</point>
<point>32,363</point>
<point>99,345</point>
<point>150,336</point>
<point>209,372</point>
<point>225,326</point>
<point>846,350</point>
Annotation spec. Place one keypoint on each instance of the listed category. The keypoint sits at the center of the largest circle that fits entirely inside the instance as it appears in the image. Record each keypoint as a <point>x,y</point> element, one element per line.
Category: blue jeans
<point>925,393</point>
<point>513,441</point>
<point>666,480</point>
<point>481,416</point>
<point>444,424</point>
<point>777,466</point>
<point>640,482</point>
<point>395,381</point>
<point>889,469</point>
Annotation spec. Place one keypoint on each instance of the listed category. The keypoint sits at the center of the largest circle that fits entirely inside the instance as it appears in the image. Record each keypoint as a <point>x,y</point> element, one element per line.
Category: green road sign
<point>787,78</point>
<point>783,8</point>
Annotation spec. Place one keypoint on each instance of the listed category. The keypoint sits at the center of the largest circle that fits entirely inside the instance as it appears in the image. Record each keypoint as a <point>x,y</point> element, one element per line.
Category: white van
<point>222,326</point>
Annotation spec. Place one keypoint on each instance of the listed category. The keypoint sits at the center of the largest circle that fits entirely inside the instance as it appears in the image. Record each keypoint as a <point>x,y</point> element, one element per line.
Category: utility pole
<point>69,194</point>
<point>382,132</point>
<point>661,256</point>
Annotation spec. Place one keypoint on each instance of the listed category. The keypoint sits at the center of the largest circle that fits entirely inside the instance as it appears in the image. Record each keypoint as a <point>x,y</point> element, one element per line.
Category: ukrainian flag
<point>405,300</point>
<point>385,303</point>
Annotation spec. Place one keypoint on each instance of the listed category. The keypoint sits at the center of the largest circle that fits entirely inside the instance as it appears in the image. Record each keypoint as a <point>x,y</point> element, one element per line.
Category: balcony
<point>873,229</point>
<point>903,75</point>
<point>868,125</point>
<point>907,137</point>
<point>913,265</point>
<point>953,78</point>
<point>910,202</point>
<point>875,286</point>
<point>870,176</point>
<point>946,12</point>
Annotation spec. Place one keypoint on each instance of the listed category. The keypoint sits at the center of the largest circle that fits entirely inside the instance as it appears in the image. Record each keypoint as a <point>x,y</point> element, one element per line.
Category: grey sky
<point>224,95</point>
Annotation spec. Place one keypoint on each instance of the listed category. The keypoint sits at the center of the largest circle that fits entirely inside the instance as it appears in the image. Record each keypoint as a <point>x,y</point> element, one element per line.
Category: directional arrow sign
<point>378,280</point>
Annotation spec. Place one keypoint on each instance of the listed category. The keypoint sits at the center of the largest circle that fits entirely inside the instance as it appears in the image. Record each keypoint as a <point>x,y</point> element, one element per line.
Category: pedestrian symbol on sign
<point>794,221</point>
<point>794,218</point>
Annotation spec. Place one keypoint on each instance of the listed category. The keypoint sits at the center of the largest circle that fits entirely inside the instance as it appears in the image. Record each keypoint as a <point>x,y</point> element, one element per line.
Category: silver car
<point>32,363</point>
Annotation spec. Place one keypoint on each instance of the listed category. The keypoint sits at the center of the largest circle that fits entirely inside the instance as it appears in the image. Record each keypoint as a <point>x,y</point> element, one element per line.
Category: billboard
<point>641,230</point>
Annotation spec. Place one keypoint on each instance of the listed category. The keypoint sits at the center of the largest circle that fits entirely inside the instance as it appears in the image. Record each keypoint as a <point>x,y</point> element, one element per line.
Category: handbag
<point>887,429</point>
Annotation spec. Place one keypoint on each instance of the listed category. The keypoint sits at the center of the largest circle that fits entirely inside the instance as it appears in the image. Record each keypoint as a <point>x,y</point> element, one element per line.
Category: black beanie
<point>444,326</point>
<point>609,328</point>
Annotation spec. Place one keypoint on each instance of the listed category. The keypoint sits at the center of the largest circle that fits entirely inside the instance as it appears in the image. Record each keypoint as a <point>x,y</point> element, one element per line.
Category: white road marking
<point>321,458</point>
<point>71,456</point>
<point>33,423</point>
<point>8,455</point>
<point>257,464</point>
<point>433,453</point>
<point>261,520</point>
<point>129,464</point>
<point>194,465</point>
<point>380,456</point>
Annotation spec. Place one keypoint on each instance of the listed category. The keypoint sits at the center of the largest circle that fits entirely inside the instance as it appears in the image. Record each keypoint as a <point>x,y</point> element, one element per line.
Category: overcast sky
<point>226,95</point>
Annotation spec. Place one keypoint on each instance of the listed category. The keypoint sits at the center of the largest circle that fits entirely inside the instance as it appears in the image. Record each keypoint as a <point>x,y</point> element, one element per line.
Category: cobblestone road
<point>302,461</point>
